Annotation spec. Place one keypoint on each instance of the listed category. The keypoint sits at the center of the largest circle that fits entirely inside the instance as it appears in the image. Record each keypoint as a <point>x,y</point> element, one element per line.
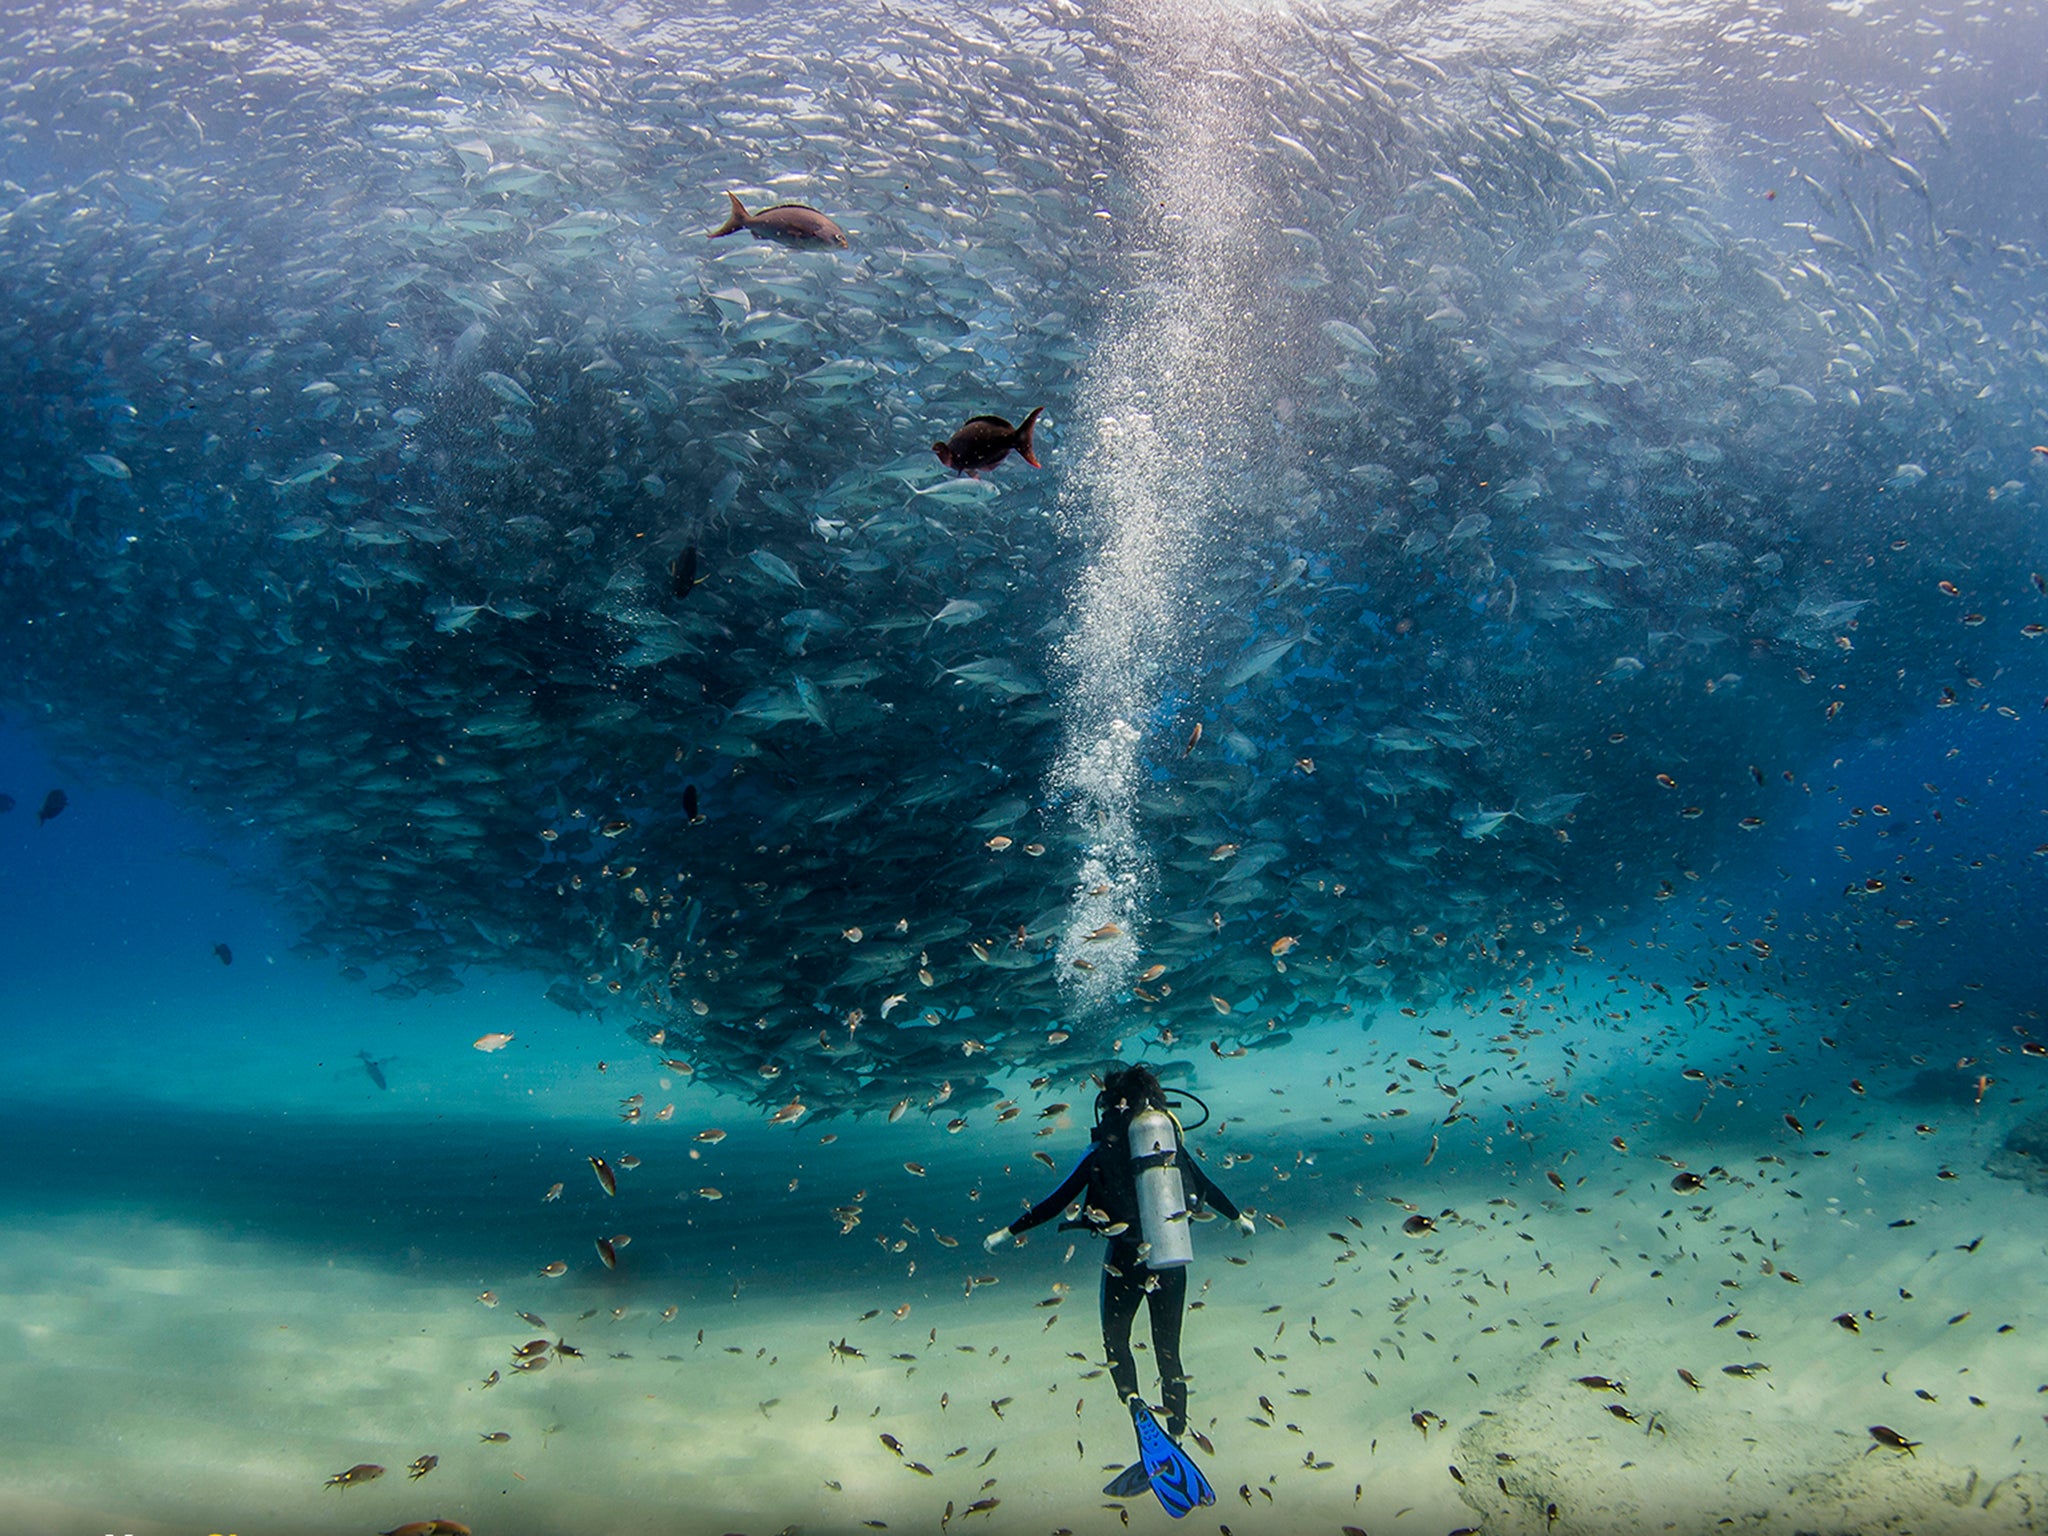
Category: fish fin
<point>738,220</point>
<point>1129,1483</point>
<point>1174,1477</point>
<point>1024,451</point>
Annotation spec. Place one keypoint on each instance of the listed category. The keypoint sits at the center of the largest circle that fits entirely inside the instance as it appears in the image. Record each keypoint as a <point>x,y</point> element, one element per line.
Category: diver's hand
<point>1244,1225</point>
<point>996,1239</point>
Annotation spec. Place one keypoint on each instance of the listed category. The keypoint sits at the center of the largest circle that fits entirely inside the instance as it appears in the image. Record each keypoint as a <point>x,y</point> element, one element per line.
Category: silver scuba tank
<point>1162,1198</point>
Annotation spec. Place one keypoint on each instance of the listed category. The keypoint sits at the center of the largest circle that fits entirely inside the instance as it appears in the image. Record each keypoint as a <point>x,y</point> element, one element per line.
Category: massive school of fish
<point>396,468</point>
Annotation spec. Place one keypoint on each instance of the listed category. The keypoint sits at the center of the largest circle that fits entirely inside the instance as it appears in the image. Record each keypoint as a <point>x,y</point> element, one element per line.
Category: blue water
<point>1519,680</point>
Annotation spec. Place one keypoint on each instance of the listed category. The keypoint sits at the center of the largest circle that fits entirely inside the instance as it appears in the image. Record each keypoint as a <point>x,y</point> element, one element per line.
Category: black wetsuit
<point>1104,1182</point>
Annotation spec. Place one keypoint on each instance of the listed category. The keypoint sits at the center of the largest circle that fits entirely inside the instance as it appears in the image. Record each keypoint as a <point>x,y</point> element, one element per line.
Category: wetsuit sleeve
<point>1056,1202</point>
<point>1206,1192</point>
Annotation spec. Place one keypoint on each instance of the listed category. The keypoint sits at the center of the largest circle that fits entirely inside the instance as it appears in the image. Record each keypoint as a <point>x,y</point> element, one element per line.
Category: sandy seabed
<point>163,1374</point>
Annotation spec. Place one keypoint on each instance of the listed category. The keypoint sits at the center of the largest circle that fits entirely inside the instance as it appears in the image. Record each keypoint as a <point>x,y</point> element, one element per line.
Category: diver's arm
<point>1068,1192</point>
<point>1053,1204</point>
<point>1206,1191</point>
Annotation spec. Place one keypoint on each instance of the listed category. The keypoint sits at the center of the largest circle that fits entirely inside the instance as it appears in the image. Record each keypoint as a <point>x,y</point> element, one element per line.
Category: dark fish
<point>791,223</point>
<point>53,806</point>
<point>6,804</point>
<point>563,995</point>
<point>690,803</point>
<point>682,572</point>
<point>373,1067</point>
<point>225,955</point>
<point>986,441</point>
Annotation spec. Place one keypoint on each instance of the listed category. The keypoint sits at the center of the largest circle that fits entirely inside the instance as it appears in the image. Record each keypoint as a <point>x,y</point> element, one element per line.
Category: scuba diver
<point>1135,1183</point>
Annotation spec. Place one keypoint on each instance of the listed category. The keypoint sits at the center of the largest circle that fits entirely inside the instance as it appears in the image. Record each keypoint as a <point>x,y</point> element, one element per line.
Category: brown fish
<point>361,1472</point>
<point>429,1528</point>
<point>986,441</point>
<point>791,223</point>
<point>605,1178</point>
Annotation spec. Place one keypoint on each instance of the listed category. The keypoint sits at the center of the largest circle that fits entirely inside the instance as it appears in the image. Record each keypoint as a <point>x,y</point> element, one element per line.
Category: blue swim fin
<point>1174,1477</point>
<point>1129,1483</point>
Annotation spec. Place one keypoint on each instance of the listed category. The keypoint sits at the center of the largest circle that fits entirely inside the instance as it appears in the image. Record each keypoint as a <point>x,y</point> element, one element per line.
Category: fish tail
<point>1024,438</point>
<point>738,220</point>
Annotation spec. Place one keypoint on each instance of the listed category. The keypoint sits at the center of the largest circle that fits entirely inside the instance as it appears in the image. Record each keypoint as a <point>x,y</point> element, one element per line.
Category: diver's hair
<point>1126,1092</point>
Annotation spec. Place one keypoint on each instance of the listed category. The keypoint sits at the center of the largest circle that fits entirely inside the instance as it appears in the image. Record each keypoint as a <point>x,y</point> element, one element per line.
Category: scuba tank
<point>1162,1198</point>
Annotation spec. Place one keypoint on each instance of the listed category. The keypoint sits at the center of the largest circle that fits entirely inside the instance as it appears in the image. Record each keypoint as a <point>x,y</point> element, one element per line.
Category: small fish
<point>789,1113</point>
<point>711,1136</point>
<point>226,956</point>
<point>1886,1436</point>
<point>554,1271</point>
<point>421,1466</point>
<point>53,806</point>
<point>985,441</point>
<point>791,223</point>
<point>371,1065</point>
<point>608,1252</point>
<point>1687,1183</point>
<point>607,1180</point>
<point>489,1043</point>
<point>369,1472</point>
<point>495,1437</point>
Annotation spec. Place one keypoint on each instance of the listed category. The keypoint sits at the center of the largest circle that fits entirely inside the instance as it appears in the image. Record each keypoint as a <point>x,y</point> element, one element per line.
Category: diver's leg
<point>1166,1303</point>
<point>1121,1290</point>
